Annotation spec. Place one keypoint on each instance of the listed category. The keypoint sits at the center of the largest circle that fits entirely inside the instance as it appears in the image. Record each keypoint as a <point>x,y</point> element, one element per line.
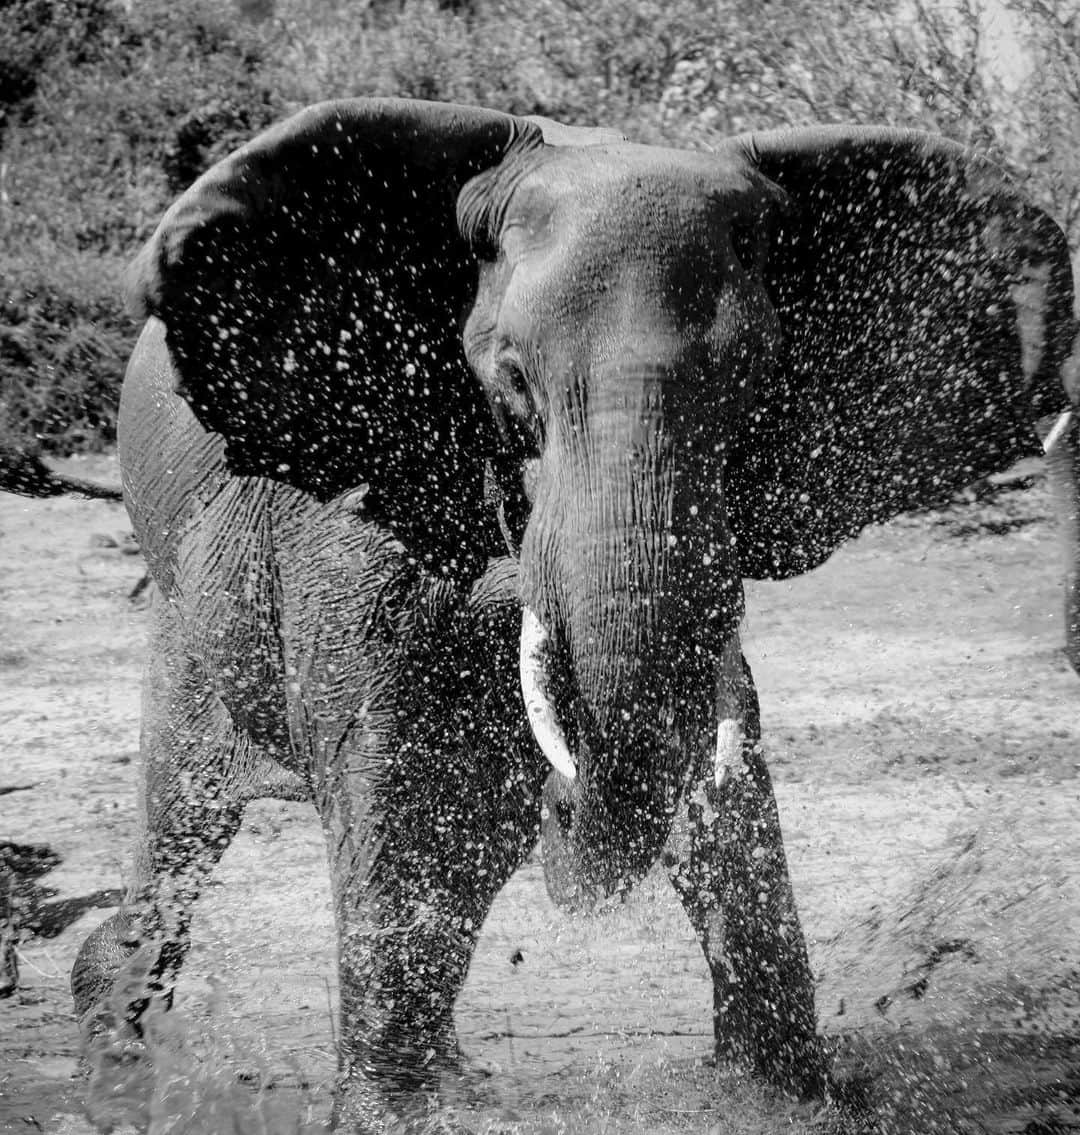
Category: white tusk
<point>730,710</point>
<point>1059,429</point>
<point>729,742</point>
<point>541,713</point>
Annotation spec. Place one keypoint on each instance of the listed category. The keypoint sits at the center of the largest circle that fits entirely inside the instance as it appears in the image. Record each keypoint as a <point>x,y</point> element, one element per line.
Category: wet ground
<point>924,733</point>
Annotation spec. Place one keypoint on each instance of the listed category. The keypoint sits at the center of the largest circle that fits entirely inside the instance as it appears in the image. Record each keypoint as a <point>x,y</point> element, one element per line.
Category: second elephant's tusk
<point>543,720</point>
<point>729,743</point>
<point>1059,429</point>
<point>730,710</point>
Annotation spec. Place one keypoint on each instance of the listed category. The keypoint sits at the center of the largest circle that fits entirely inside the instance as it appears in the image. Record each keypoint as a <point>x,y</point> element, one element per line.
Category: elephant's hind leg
<point>197,773</point>
<point>730,872</point>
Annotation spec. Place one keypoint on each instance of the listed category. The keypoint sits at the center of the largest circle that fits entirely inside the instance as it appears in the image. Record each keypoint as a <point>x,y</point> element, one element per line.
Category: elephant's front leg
<point>406,705</point>
<point>418,852</point>
<point>404,955</point>
<point>731,874</point>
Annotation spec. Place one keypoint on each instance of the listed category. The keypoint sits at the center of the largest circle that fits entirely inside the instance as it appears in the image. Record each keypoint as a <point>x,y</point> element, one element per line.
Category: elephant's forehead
<point>627,173</point>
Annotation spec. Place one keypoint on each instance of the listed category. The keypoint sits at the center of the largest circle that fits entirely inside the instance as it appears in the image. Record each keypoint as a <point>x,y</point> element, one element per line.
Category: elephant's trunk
<point>635,598</point>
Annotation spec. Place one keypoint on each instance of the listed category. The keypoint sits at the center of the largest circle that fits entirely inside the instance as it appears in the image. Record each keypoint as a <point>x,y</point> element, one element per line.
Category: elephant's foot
<point>408,1089</point>
<point>460,1076</point>
<point>365,1107</point>
<point>120,1004</point>
<point>789,1056</point>
<point>121,1079</point>
<point>105,954</point>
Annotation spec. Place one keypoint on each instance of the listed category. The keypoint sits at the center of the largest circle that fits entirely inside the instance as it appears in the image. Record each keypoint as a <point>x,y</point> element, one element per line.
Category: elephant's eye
<point>512,390</point>
<point>510,376</point>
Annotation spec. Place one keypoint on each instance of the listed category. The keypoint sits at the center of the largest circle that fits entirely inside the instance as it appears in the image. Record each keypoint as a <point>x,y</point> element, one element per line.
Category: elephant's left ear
<point>312,284</point>
<point>925,307</point>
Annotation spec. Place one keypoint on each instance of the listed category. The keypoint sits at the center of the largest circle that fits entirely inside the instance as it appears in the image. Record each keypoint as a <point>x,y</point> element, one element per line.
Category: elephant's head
<point>649,372</point>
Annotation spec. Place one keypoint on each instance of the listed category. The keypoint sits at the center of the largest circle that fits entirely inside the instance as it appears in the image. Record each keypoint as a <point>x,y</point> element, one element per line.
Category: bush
<point>33,31</point>
<point>108,110</point>
<point>63,345</point>
<point>111,114</point>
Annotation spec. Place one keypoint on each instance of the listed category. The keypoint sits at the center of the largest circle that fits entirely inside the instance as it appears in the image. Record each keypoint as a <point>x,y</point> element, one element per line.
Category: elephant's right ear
<point>312,284</point>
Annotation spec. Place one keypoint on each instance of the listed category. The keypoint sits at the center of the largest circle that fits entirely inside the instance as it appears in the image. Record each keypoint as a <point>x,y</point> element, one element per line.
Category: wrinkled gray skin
<point>410,367</point>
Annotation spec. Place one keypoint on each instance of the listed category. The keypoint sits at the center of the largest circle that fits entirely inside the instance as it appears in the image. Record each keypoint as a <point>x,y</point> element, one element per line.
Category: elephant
<point>450,438</point>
